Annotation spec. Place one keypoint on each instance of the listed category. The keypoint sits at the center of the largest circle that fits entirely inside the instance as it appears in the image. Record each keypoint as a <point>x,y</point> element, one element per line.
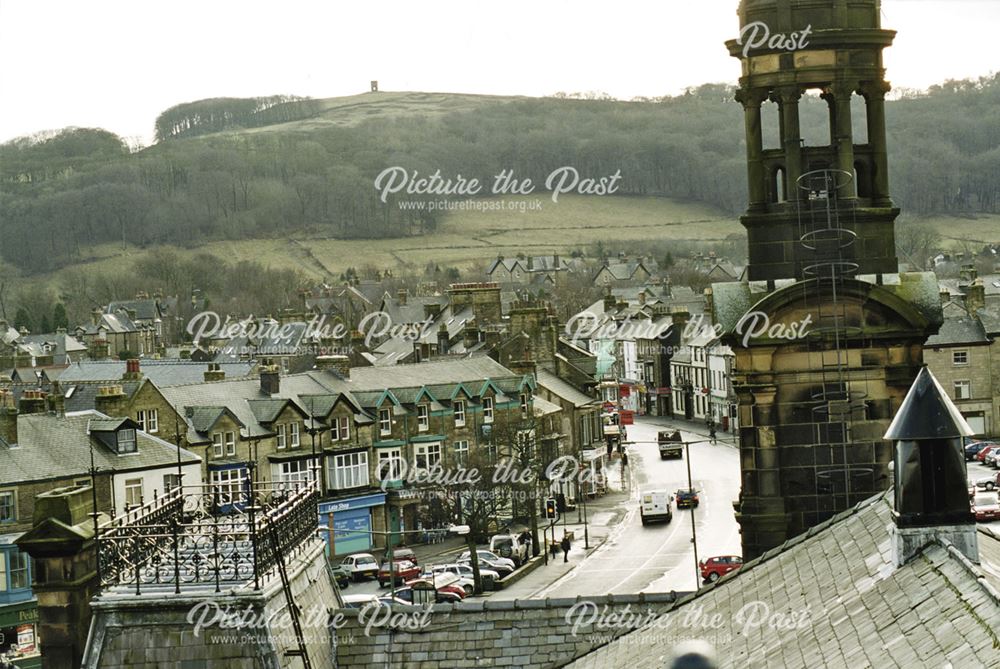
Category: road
<point>660,558</point>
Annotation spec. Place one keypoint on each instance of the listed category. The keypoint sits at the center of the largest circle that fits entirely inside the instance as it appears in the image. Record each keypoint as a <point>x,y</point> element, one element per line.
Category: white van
<point>655,505</point>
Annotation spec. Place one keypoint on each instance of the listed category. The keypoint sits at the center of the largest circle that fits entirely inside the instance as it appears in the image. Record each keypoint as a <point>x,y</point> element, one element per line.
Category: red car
<point>402,571</point>
<point>714,568</point>
<point>981,455</point>
<point>986,507</point>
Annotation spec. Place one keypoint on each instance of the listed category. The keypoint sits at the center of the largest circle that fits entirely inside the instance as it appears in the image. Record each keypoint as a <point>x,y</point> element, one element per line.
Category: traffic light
<point>550,508</point>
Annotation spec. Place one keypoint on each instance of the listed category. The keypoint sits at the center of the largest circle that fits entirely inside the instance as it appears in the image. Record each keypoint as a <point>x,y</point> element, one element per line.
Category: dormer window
<point>459,413</point>
<point>384,422</point>
<point>423,417</point>
<point>487,409</point>
<point>126,440</point>
<point>524,405</point>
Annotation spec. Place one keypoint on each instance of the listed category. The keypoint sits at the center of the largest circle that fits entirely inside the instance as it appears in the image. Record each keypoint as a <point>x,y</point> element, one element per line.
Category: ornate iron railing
<point>207,536</point>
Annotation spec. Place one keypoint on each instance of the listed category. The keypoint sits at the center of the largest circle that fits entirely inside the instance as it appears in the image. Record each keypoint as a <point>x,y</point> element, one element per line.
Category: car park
<point>400,572</point>
<point>714,568</point>
<point>687,498</point>
<point>654,506</point>
<point>986,507</point>
<point>361,566</point>
<point>981,455</point>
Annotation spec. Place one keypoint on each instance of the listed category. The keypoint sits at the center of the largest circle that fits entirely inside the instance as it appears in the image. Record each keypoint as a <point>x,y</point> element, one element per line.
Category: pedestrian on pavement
<point>565,548</point>
<point>554,547</point>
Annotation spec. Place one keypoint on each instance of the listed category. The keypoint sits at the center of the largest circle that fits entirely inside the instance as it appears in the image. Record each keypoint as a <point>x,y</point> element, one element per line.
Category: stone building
<point>827,335</point>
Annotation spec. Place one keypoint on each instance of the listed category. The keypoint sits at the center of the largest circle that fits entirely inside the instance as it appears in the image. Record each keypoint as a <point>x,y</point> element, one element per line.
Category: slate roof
<point>161,372</point>
<point>145,309</point>
<point>958,328</point>
<point>51,447</point>
<point>857,608</point>
<point>560,388</point>
<point>475,368</point>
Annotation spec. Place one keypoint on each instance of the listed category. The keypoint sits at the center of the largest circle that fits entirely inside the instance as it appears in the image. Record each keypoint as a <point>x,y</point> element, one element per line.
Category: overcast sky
<point>117,65</point>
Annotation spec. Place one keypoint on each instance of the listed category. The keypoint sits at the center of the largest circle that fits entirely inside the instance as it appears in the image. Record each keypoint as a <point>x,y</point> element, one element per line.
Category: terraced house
<point>351,428</point>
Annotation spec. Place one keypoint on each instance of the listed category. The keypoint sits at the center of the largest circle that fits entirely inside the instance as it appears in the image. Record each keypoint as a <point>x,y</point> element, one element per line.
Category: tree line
<point>62,194</point>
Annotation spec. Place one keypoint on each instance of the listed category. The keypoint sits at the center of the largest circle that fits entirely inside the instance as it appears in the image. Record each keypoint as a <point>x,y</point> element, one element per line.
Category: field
<point>470,239</point>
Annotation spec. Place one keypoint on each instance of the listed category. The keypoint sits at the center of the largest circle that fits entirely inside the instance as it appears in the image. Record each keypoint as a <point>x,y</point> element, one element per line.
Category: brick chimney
<point>443,338</point>
<point>33,401</point>
<point>341,364</point>
<point>270,378</point>
<point>401,296</point>
<point>132,370</point>
<point>214,373</point>
<point>57,401</point>
<point>975,296</point>
<point>110,401</point>
<point>642,298</point>
<point>95,316</point>
<point>8,417</point>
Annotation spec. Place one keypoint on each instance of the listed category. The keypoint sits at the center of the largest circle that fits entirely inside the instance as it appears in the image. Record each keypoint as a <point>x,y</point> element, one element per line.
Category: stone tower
<point>827,336</point>
<point>833,48</point>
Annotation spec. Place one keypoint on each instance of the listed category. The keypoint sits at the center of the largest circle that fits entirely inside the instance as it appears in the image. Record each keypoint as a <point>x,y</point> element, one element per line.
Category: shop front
<point>354,520</point>
<point>19,634</point>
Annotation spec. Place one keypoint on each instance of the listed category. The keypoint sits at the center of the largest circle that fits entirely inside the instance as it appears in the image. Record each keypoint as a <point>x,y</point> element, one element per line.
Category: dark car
<point>972,450</point>
<point>342,574</point>
<point>686,498</point>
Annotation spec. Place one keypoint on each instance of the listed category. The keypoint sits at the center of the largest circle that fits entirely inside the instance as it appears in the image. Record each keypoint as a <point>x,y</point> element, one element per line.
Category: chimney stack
<point>33,401</point>
<point>443,338</point>
<point>57,401</point>
<point>975,296</point>
<point>930,489</point>
<point>95,316</point>
<point>8,417</point>
<point>110,401</point>
<point>270,378</point>
<point>341,364</point>
<point>214,373</point>
<point>401,296</point>
<point>132,370</point>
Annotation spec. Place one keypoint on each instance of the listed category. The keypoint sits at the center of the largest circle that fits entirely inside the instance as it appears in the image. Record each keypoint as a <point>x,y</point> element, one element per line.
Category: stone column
<point>791,141</point>
<point>874,94</point>
<point>843,133</point>
<point>756,179</point>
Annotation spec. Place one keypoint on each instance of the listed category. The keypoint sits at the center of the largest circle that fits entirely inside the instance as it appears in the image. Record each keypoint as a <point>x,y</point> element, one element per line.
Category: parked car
<point>359,601</point>
<point>989,482</point>
<point>972,450</point>
<point>991,458</point>
<point>686,498</point>
<point>468,583</point>
<point>361,565</point>
<point>983,452</point>
<point>400,554</point>
<point>516,547</point>
<point>464,569</point>
<point>715,568</point>
<point>389,600</point>
<point>986,506</point>
<point>446,584</point>
<point>502,566</point>
<point>400,573</point>
<point>655,506</point>
<point>342,575</point>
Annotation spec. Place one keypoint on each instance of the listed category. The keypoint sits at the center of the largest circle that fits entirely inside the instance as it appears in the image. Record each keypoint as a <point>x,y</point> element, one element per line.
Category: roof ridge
<point>972,568</point>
